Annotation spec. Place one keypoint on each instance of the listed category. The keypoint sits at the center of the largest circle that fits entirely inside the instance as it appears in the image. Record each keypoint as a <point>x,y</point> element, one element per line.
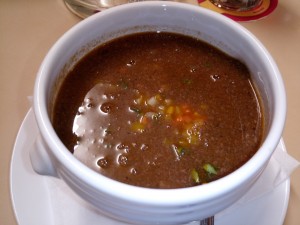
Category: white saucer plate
<point>46,200</point>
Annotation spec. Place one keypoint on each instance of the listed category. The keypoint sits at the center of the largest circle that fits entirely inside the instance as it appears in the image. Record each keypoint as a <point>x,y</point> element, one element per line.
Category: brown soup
<point>159,110</point>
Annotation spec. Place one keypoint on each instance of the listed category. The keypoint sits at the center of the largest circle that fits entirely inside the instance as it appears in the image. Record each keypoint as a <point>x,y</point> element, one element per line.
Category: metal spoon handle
<point>208,221</point>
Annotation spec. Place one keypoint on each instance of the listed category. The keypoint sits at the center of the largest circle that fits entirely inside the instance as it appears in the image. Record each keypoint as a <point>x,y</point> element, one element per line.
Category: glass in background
<point>237,5</point>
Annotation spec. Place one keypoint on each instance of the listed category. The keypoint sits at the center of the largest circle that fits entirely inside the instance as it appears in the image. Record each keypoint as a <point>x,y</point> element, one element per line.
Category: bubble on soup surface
<point>103,163</point>
<point>132,62</point>
<point>144,147</point>
<point>123,147</point>
<point>193,70</point>
<point>88,103</point>
<point>215,77</point>
<point>122,160</point>
<point>133,171</point>
<point>106,107</point>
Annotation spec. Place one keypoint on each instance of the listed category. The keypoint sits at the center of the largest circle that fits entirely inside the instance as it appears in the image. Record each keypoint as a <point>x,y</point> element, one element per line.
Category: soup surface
<point>159,110</point>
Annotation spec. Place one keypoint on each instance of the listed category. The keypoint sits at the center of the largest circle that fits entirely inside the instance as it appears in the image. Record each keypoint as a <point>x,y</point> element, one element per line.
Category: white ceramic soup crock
<point>142,205</point>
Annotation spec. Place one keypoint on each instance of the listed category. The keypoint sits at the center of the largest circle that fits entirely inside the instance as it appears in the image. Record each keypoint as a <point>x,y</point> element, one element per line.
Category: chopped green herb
<point>195,176</point>
<point>210,169</point>
<point>123,84</point>
<point>187,81</point>
<point>181,151</point>
<point>207,65</point>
